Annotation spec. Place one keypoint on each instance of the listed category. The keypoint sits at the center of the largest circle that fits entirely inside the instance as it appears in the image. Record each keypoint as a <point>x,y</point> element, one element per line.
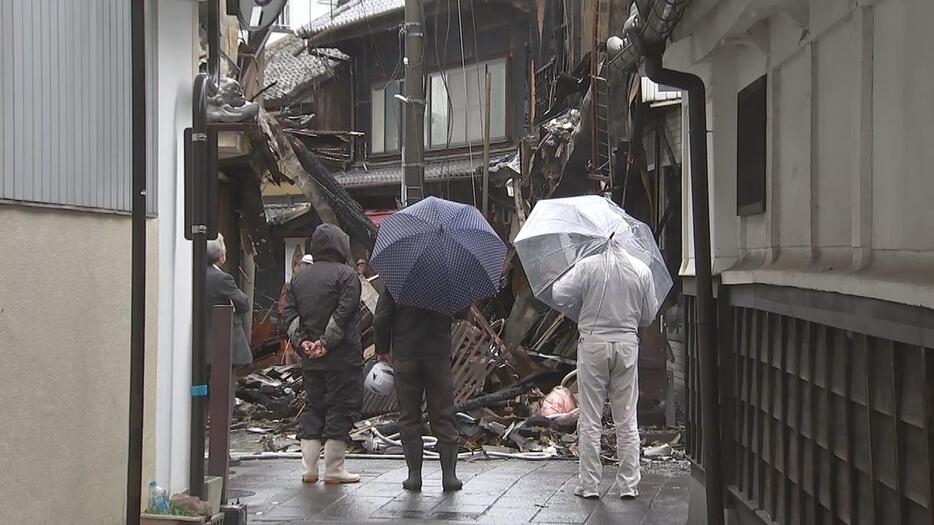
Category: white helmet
<point>380,379</point>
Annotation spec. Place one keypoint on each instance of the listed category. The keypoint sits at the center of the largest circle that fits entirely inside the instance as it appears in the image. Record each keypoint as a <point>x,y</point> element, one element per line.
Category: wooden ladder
<point>601,166</point>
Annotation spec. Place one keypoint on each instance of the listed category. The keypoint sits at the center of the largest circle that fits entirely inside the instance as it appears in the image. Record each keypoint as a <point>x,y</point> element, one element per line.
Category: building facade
<point>822,256</point>
<point>460,48</point>
<point>65,178</point>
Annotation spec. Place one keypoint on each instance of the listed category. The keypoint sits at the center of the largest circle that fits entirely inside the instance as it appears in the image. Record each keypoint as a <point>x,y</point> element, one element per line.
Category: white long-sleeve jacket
<point>614,291</point>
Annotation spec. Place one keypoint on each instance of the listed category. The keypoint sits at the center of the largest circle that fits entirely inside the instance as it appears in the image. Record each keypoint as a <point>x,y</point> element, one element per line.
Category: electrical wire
<point>449,125</point>
<point>473,175</point>
<point>429,441</point>
<point>476,55</point>
<point>371,33</point>
<point>445,156</point>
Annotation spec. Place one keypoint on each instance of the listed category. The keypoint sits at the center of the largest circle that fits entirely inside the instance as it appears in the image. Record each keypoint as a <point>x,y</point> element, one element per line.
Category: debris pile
<point>267,404</point>
<point>516,421</point>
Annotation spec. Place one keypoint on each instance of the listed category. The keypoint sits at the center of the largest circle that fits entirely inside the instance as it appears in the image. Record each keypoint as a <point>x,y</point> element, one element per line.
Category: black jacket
<point>328,288</point>
<point>409,332</point>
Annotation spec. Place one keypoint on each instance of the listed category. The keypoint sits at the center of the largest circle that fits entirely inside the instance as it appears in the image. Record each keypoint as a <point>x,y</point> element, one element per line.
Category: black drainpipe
<point>134,478</point>
<point>706,329</point>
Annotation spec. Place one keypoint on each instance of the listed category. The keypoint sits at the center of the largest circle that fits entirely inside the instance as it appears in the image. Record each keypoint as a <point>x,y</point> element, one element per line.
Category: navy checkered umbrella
<point>438,255</point>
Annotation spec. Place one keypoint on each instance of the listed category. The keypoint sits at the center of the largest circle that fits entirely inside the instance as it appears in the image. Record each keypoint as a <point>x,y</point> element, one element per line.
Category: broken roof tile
<point>295,70</point>
<point>349,14</point>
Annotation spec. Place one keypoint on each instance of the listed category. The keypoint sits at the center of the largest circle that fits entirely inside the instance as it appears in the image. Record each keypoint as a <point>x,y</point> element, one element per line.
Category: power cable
<point>473,175</point>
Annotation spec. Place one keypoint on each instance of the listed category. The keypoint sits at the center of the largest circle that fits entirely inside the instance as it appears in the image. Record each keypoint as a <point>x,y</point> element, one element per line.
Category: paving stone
<point>496,491</point>
<point>499,514</point>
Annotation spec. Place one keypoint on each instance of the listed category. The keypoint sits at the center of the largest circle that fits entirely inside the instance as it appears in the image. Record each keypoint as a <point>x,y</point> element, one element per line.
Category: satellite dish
<point>258,14</point>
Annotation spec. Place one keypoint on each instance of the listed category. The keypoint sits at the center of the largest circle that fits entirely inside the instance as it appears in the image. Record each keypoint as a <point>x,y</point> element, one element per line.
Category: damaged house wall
<point>495,31</point>
<point>564,153</point>
<point>514,350</point>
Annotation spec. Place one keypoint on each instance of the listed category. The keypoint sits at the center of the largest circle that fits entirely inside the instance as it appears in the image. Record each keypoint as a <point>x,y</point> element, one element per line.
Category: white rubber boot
<point>334,473</point>
<point>311,450</point>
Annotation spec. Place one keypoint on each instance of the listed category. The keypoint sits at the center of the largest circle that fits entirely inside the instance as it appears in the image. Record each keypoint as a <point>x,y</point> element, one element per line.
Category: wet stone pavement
<point>495,491</point>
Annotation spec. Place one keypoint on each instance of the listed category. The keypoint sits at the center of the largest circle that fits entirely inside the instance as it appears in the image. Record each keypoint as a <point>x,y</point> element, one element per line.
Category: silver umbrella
<point>560,233</point>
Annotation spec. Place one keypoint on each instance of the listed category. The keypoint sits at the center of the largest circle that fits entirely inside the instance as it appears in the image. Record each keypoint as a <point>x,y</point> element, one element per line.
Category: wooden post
<point>221,394</point>
<point>486,146</point>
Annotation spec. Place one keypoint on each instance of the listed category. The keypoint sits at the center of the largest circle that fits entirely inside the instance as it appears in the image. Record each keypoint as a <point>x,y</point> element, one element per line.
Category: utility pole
<point>413,148</point>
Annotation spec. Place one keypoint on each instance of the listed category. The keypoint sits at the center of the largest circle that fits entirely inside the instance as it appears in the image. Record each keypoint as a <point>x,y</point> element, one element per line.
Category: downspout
<point>134,479</point>
<point>644,35</point>
<point>706,328</point>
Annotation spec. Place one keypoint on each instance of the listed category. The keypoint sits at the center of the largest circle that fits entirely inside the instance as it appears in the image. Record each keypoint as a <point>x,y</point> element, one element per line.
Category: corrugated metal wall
<point>65,102</point>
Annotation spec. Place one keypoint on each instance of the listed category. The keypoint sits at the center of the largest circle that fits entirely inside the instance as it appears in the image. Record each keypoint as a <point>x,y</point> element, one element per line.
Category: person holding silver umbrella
<point>612,311</point>
<point>587,258</point>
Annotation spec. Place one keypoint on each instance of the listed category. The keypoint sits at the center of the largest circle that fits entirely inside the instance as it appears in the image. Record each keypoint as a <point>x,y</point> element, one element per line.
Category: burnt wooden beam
<point>347,210</point>
<point>291,168</point>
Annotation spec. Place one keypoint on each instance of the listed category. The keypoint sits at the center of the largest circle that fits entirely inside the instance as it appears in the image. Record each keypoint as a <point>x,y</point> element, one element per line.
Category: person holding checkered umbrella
<point>436,258</point>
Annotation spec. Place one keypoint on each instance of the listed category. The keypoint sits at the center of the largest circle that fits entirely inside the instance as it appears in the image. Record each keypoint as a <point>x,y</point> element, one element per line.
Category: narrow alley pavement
<point>495,491</point>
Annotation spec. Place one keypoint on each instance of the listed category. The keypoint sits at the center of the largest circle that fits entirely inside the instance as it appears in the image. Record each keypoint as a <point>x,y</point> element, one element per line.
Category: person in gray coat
<point>222,290</point>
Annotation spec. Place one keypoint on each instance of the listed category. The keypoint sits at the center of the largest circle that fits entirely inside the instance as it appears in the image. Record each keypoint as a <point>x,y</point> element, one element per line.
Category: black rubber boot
<point>413,449</point>
<point>448,453</point>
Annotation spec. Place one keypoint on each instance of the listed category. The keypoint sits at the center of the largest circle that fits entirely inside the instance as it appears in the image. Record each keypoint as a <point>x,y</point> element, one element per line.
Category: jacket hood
<point>330,243</point>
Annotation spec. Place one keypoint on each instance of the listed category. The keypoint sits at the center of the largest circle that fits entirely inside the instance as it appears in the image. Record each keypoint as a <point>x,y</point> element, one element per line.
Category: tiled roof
<point>349,14</point>
<point>295,70</point>
<point>386,175</point>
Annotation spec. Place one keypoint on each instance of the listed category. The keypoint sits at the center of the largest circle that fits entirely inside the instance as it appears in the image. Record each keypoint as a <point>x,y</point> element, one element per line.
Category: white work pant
<point>608,370</point>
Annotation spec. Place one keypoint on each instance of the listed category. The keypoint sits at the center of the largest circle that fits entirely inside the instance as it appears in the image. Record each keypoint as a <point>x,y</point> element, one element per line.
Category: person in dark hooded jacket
<point>325,297</point>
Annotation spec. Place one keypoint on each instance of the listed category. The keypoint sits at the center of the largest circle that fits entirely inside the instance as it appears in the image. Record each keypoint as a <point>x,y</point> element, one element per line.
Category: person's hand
<point>385,358</point>
<point>308,348</point>
<point>318,350</point>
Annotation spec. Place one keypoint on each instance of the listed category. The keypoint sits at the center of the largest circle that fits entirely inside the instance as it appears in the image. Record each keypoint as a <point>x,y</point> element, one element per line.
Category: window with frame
<point>385,118</point>
<point>455,104</point>
<point>751,130</point>
<point>454,108</point>
<point>285,18</point>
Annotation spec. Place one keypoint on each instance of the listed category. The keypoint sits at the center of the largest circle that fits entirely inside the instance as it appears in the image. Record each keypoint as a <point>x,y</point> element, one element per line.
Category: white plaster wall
<point>175,62</point>
<point>850,121</point>
<point>903,106</point>
<point>835,96</point>
<point>792,152</point>
<point>64,341</point>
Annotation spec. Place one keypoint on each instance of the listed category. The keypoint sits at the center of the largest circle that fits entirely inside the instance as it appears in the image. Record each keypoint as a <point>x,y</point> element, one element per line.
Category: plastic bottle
<point>158,499</point>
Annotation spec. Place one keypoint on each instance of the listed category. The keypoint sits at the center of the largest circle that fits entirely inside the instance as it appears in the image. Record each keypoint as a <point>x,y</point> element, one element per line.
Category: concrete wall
<point>65,338</point>
<point>849,123</point>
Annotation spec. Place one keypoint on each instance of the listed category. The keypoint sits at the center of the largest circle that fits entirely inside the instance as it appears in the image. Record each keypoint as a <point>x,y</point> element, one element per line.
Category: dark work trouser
<point>429,379</point>
<point>332,403</point>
